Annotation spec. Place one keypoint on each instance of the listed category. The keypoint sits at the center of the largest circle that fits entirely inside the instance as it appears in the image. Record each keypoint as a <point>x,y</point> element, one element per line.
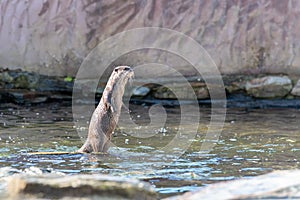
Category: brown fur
<point>106,115</point>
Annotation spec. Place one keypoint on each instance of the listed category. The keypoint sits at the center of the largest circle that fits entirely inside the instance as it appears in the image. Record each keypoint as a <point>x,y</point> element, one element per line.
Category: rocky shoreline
<point>33,183</point>
<point>21,87</point>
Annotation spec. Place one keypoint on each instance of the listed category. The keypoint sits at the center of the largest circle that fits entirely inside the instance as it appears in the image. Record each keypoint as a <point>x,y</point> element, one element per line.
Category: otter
<point>106,115</point>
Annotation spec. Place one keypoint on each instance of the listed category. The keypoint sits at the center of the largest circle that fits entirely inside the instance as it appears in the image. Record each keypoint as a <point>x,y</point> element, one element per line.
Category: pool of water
<point>252,142</point>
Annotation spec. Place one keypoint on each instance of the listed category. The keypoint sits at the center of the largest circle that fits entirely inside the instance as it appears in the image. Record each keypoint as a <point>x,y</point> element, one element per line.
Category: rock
<point>60,97</point>
<point>25,96</point>
<point>235,83</point>
<point>17,79</point>
<point>275,185</point>
<point>21,82</point>
<point>182,92</point>
<point>235,87</point>
<point>201,93</point>
<point>27,87</point>
<point>5,77</point>
<point>97,186</point>
<point>296,89</point>
<point>269,86</point>
<point>54,84</point>
<point>140,91</point>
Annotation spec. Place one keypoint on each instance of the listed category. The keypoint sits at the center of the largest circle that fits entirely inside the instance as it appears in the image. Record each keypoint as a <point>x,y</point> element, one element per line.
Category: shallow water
<point>253,142</point>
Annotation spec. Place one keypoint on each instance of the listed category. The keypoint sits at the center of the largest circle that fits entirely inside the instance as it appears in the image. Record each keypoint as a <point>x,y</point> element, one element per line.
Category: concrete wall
<point>53,37</point>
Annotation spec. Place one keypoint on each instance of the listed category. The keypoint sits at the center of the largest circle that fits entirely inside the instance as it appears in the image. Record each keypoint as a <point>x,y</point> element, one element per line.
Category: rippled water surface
<point>253,142</point>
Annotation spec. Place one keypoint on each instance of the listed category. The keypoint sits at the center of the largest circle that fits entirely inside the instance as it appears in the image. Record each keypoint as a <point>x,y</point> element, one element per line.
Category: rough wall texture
<point>53,37</point>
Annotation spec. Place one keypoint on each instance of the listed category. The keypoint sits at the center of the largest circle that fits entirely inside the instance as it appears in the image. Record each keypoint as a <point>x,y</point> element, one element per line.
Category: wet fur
<point>106,115</point>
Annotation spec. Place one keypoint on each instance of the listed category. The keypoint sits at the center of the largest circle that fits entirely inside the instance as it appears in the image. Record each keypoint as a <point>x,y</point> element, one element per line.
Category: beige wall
<point>52,37</point>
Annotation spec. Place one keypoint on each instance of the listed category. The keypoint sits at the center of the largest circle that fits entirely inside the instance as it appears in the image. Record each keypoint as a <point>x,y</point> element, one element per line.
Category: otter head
<point>121,75</point>
<point>117,81</point>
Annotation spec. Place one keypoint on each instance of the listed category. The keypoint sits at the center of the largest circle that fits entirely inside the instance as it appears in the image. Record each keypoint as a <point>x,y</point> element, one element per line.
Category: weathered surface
<point>275,185</point>
<point>76,186</point>
<point>182,91</point>
<point>53,37</point>
<point>236,83</point>
<point>269,86</point>
<point>296,89</point>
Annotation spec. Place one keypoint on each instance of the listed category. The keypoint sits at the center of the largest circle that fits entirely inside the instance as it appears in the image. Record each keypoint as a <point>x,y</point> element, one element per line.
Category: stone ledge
<point>27,87</point>
<point>76,186</point>
<point>275,185</point>
<point>269,87</point>
<point>296,89</point>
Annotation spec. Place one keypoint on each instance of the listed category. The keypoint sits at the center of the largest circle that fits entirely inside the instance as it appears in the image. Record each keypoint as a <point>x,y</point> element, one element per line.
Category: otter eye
<point>127,68</point>
<point>116,69</point>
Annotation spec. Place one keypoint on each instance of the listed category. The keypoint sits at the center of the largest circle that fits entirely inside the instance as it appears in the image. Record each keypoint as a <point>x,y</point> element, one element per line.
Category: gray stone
<point>6,77</point>
<point>296,89</point>
<point>275,185</point>
<point>53,84</point>
<point>269,86</point>
<point>18,79</point>
<point>182,91</point>
<point>141,91</point>
<point>28,87</point>
<point>201,92</point>
<point>235,83</point>
<point>97,186</point>
<point>24,96</point>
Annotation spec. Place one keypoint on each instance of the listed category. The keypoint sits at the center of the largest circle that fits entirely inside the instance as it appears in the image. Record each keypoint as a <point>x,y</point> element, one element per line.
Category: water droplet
<point>126,141</point>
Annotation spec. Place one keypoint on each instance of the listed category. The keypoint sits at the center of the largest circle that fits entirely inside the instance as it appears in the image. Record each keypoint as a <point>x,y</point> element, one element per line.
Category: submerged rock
<point>78,186</point>
<point>296,89</point>
<point>269,86</point>
<point>275,185</point>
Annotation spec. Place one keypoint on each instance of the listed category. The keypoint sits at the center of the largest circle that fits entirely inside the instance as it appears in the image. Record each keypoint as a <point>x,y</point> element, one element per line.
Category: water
<point>253,142</point>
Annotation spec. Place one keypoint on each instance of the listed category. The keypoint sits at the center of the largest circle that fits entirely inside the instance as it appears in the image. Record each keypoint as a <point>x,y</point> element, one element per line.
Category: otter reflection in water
<point>106,115</point>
